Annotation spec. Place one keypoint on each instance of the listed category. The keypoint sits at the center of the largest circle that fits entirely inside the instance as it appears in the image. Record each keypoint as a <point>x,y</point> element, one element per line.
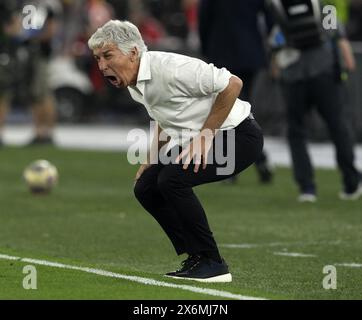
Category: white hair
<point>124,34</point>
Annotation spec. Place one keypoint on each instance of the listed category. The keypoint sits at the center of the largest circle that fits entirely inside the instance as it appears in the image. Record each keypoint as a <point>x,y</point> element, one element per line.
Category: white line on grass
<point>294,254</point>
<point>350,265</point>
<point>6,257</point>
<point>147,281</point>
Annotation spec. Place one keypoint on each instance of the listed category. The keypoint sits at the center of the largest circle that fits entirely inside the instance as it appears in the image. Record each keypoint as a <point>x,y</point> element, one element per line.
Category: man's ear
<point>134,54</point>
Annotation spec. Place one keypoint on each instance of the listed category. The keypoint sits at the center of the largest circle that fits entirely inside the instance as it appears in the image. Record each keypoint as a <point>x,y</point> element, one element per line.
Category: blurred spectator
<point>34,46</point>
<point>83,18</point>
<point>151,29</point>
<point>190,8</point>
<point>310,74</point>
<point>170,13</point>
<point>43,104</point>
<point>231,37</point>
<point>162,24</point>
<point>98,13</point>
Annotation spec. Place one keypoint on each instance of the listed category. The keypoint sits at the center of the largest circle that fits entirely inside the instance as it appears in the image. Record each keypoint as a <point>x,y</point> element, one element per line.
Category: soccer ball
<point>41,176</point>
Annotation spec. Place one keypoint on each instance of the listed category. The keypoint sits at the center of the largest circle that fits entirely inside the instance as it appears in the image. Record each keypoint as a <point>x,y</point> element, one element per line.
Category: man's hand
<point>141,169</point>
<point>200,146</point>
<point>198,150</point>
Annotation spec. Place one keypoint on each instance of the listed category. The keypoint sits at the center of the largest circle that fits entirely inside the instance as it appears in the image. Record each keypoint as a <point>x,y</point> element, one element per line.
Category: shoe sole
<point>348,197</point>
<point>307,199</point>
<point>217,279</point>
<point>351,197</point>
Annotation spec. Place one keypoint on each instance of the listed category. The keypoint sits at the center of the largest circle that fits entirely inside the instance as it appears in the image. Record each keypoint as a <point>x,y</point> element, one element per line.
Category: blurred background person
<point>151,28</point>
<point>29,52</point>
<point>191,9</point>
<point>308,64</point>
<point>82,95</point>
<point>97,12</point>
<point>42,100</point>
<point>231,37</point>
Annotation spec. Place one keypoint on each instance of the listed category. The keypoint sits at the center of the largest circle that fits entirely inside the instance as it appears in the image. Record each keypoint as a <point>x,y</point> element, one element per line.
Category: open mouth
<point>113,80</point>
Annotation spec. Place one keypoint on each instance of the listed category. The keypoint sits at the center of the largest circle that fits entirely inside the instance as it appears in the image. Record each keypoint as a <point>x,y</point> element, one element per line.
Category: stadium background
<point>276,247</point>
<point>165,25</point>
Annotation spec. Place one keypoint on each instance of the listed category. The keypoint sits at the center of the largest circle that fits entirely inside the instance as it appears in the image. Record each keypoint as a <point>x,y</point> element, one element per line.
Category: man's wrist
<point>208,133</point>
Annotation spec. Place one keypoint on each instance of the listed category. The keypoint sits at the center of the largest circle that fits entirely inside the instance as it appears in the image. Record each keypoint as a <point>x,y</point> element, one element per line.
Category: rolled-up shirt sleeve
<point>196,78</point>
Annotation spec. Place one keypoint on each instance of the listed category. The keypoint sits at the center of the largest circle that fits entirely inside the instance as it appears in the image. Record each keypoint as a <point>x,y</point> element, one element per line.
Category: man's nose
<point>102,65</point>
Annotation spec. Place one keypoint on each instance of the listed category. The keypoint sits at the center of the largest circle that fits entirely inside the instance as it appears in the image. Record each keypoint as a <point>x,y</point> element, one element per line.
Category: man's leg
<point>297,103</point>
<point>180,196</point>
<point>44,117</point>
<point>176,185</point>
<point>43,107</point>
<point>328,98</point>
<point>148,194</point>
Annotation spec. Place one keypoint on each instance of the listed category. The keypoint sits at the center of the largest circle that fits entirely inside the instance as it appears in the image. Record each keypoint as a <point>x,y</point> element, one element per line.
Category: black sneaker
<point>205,270</point>
<point>353,194</point>
<point>185,265</point>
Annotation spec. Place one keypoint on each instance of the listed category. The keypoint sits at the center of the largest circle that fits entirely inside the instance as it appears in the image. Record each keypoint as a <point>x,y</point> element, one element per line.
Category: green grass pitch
<point>92,219</point>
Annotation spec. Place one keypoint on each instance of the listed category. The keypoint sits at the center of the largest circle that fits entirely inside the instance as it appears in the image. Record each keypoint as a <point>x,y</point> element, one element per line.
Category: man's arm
<point>201,144</point>
<point>223,105</point>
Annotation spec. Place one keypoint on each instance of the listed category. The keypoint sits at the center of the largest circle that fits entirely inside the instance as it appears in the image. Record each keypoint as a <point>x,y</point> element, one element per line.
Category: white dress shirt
<point>179,91</point>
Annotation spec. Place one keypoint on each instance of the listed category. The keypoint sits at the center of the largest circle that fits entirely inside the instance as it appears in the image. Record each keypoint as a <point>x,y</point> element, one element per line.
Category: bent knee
<point>141,190</point>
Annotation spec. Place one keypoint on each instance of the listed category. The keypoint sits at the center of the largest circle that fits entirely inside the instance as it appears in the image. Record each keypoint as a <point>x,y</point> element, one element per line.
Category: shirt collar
<point>144,72</point>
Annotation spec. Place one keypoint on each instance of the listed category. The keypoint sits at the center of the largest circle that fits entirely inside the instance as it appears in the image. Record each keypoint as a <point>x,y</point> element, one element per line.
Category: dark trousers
<point>323,92</point>
<point>165,191</point>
